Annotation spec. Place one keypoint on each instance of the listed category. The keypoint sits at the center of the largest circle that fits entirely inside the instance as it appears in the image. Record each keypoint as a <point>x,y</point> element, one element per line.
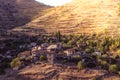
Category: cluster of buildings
<point>52,52</point>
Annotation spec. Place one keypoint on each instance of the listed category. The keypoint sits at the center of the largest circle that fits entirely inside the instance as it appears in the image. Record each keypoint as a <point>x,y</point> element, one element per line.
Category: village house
<point>34,49</point>
<point>33,44</point>
<point>72,53</point>
<point>97,53</point>
<point>52,52</point>
<point>44,46</point>
<point>82,45</point>
<point>39,50</point>
<point>51,56</point>
<point>54,47</point>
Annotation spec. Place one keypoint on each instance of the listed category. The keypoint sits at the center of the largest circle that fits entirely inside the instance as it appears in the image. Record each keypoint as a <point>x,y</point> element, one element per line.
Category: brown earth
<point>45,71</point>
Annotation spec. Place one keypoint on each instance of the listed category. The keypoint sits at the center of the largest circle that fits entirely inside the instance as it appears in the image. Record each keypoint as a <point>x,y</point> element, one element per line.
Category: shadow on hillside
<point>4,27</point>
<point>14,38</point>
<point>28,31</point>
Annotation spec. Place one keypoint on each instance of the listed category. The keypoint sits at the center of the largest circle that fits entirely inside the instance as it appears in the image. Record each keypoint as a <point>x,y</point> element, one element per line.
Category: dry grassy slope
<point>81,16</point>
<point>18,12</point>
<point>49,72</point>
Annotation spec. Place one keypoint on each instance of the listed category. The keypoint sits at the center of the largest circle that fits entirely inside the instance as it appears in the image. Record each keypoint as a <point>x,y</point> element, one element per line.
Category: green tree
<point>80,65</point>
<point>15,63</point>
<point>58,35</point>
<point>104,65</point>
<point>95,78</point>
<point>113,68</point>
<point>42,58</point>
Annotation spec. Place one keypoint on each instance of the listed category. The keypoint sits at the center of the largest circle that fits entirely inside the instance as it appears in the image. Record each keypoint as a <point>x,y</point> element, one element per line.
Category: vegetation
<point>80,65</point>
<point>42,58</point>
<point>104,65</point>
<point>58,35</point>
<point>15,63</point>
<point>2,71</point>
<point>113,68</point>
<point>87,43</point>
<point>95,78</point>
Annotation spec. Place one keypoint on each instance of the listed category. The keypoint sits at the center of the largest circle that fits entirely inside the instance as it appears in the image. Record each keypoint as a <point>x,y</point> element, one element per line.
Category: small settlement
<point>54,54</point>
<point>21,52</point>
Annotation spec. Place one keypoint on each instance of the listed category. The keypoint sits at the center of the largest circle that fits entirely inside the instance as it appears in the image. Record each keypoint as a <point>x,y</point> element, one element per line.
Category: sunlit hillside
<point>80,16</point>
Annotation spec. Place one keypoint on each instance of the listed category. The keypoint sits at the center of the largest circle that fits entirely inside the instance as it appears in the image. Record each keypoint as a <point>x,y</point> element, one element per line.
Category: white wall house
<point>70,52</point>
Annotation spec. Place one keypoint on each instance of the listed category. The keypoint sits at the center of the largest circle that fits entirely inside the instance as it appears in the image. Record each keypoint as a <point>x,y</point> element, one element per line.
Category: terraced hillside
<point>48,72</point>
<point>79,16</point>
<point>18,12</point>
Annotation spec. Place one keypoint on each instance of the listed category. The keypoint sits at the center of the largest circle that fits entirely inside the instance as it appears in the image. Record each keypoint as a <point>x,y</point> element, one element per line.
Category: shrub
<point>118,72</point>
<point>95,78</point>
<point>64,61</point>
<point>74,59</point>
<point>28,59</point>
<point>42,58</point>
<point>87,50</point>
<point>2,71</point>
<point>117,57</point>
<point>15,63</point>
<point>113,68</point>
<point>80,65</point>
<point>104,65</point>
<point>77,57</point>
<point>94,56</point>
<point>118,51</point>
<point>104,57</point>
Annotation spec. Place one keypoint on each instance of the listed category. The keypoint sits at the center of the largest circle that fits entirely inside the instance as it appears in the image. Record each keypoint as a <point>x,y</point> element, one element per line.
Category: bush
<point>113,68</point>
<point>118,51</point>
<point>64,61</point>
<point>15,63</point>
<point>104,65</point>
<point>76,58</point>
<point>104,57</point>
<point>2,71</point>
<point>88,50</point>
<point>118,72</point>
<point>94,56</point>
<point>80,65</point>
<point>117,57</point>
<point>28,59</point>
<point>42,58</point>
<point>95,78</point>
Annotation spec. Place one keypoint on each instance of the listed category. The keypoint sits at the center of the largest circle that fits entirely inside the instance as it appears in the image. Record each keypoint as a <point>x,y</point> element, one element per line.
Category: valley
<point>75,41</point>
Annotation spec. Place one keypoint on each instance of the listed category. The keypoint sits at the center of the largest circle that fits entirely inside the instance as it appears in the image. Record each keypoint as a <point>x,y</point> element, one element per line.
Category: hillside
<point>79,16</point>
<point>18,12</point>
<point>48,72</point>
